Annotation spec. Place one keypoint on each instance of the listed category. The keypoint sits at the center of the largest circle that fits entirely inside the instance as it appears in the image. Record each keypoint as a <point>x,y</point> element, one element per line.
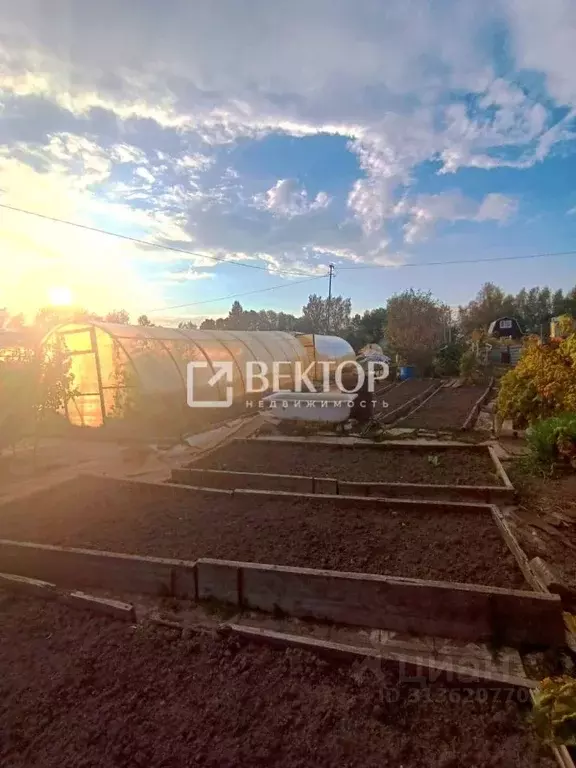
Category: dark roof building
<point>505,327</point>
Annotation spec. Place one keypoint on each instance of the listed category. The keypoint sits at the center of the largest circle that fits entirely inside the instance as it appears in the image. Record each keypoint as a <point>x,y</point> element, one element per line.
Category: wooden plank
<point>411,668</point>
<point>81,568</point>
<point>398,505</point>
<point>517,550</point>
<point>355,443</point>
<point>233,480</point>
<point>230,479</point>
<point>487,494</point>
<point>459,611</point>
<point>500,469</point>
<point>473,415</point>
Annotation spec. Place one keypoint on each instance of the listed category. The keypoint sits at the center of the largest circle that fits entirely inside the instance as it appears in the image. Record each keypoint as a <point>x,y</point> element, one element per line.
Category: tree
<point>33,383</point>
<point>367,328</point>
<point>47,317</point>
<point>144,321</point>
<point>117,316</point>
<point>320,316</point>
<point>415,326</point>
<point>187,325</point>
<point>490,303</point>
<point>208,324</point>
<point>558,303</point>
<point>236,318</point>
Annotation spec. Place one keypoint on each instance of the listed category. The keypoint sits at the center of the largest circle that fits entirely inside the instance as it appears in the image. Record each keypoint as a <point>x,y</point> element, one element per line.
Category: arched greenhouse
<point>139,373</point>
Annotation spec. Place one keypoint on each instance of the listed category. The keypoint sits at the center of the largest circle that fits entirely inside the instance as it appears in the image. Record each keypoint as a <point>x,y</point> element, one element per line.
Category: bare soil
<point>155,520</point>
<point>448,409</point>
<point>457,466</point>
<point>78,690</point>
<point>401,394</point>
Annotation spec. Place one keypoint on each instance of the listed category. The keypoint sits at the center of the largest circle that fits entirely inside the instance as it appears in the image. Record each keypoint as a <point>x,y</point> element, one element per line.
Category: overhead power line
<point>147,243</point>
<point>237,295</point>
<point>463,261</point>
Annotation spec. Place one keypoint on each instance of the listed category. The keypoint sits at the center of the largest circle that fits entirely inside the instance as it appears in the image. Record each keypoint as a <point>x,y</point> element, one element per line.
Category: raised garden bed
<point>386,462</point>
<point>458,544</point>
<point>400,394</point>
<point>448,409</point>
<point>86,690</point>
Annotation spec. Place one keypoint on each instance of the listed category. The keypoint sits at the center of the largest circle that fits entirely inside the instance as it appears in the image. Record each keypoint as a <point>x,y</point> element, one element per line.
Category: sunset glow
<point>60,296</point>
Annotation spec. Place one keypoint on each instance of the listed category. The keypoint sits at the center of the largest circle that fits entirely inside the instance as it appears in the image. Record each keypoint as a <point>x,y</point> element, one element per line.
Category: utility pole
<point>329,305</point>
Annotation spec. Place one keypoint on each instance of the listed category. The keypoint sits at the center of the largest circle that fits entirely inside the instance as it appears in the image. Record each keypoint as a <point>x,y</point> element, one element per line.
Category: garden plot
<point>78,689</point>
<point>400,394</point>
<point>448,409</point>
<point>423,541</point>
<point>357,463</point>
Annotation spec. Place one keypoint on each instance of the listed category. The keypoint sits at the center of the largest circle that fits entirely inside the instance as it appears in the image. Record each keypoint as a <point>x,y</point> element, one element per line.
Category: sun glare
<point>60,296</point>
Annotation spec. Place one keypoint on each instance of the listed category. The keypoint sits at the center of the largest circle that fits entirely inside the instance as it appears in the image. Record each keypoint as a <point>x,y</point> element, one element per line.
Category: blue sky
<point>283,136</point>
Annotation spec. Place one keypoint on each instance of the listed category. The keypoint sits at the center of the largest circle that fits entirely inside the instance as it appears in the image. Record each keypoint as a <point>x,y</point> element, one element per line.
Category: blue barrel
<point>407,372</point>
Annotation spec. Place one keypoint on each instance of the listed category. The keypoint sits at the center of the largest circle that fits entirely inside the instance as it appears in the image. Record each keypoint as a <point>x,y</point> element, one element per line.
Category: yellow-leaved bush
<point>543,383</point>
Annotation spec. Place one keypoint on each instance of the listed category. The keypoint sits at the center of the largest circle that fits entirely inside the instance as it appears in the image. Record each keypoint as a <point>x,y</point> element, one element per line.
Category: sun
<point>60,296</point>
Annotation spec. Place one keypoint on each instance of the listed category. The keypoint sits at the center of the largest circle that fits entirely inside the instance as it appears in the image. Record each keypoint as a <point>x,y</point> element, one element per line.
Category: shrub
<point>447,361</point>
<point>543,384</point>
<point>553,440</point>
<point>554,711</point>
<point>469,365</point>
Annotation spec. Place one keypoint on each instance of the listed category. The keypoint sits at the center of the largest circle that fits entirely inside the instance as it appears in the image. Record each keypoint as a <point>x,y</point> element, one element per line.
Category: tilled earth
<point>448,409</point>
<point>457,466</point>
<point>171,522</point>
<point>78,690</point>
<point>401,394</point>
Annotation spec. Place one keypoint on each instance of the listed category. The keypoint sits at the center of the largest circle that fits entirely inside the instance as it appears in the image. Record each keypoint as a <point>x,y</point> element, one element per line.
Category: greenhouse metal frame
<point>111,362</point>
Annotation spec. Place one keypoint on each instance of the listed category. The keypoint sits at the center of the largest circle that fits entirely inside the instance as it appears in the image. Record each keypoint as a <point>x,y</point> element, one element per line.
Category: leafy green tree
<point>367,328</point>
<point>33,383</point>
<point>490,303</point>
<point>415,326</point>
<point>321,316</point>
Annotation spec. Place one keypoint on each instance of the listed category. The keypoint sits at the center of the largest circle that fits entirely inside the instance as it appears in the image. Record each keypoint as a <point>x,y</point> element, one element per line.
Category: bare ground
<point>155,520</point>
<point>448,409</point>
<point>78,690</point>
<point>458,466</point>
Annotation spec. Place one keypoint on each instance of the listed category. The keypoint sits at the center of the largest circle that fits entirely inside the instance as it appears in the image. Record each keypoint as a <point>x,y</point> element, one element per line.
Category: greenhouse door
<point>86,408</point>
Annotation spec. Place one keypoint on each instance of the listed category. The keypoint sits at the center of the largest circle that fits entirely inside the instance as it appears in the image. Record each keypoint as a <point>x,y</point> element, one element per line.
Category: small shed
<point>505,328</point>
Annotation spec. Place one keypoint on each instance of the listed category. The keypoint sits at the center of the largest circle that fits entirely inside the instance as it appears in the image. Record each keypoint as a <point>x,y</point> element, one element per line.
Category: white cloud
<point>408,91</point>
<point>188,275</point>
<point>145,174</point>
<point>287,199</point>
<point>427,210</point>
<point>370,201</point>
<point>543,40</point>
<point>496,207</point>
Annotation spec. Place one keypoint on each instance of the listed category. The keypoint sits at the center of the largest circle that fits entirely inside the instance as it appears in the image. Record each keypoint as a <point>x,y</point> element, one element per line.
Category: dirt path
<point>150,520</point>
<point>83,691</point>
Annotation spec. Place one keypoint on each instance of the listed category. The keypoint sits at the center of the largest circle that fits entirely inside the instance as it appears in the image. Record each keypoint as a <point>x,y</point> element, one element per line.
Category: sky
<point>261,141</point>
